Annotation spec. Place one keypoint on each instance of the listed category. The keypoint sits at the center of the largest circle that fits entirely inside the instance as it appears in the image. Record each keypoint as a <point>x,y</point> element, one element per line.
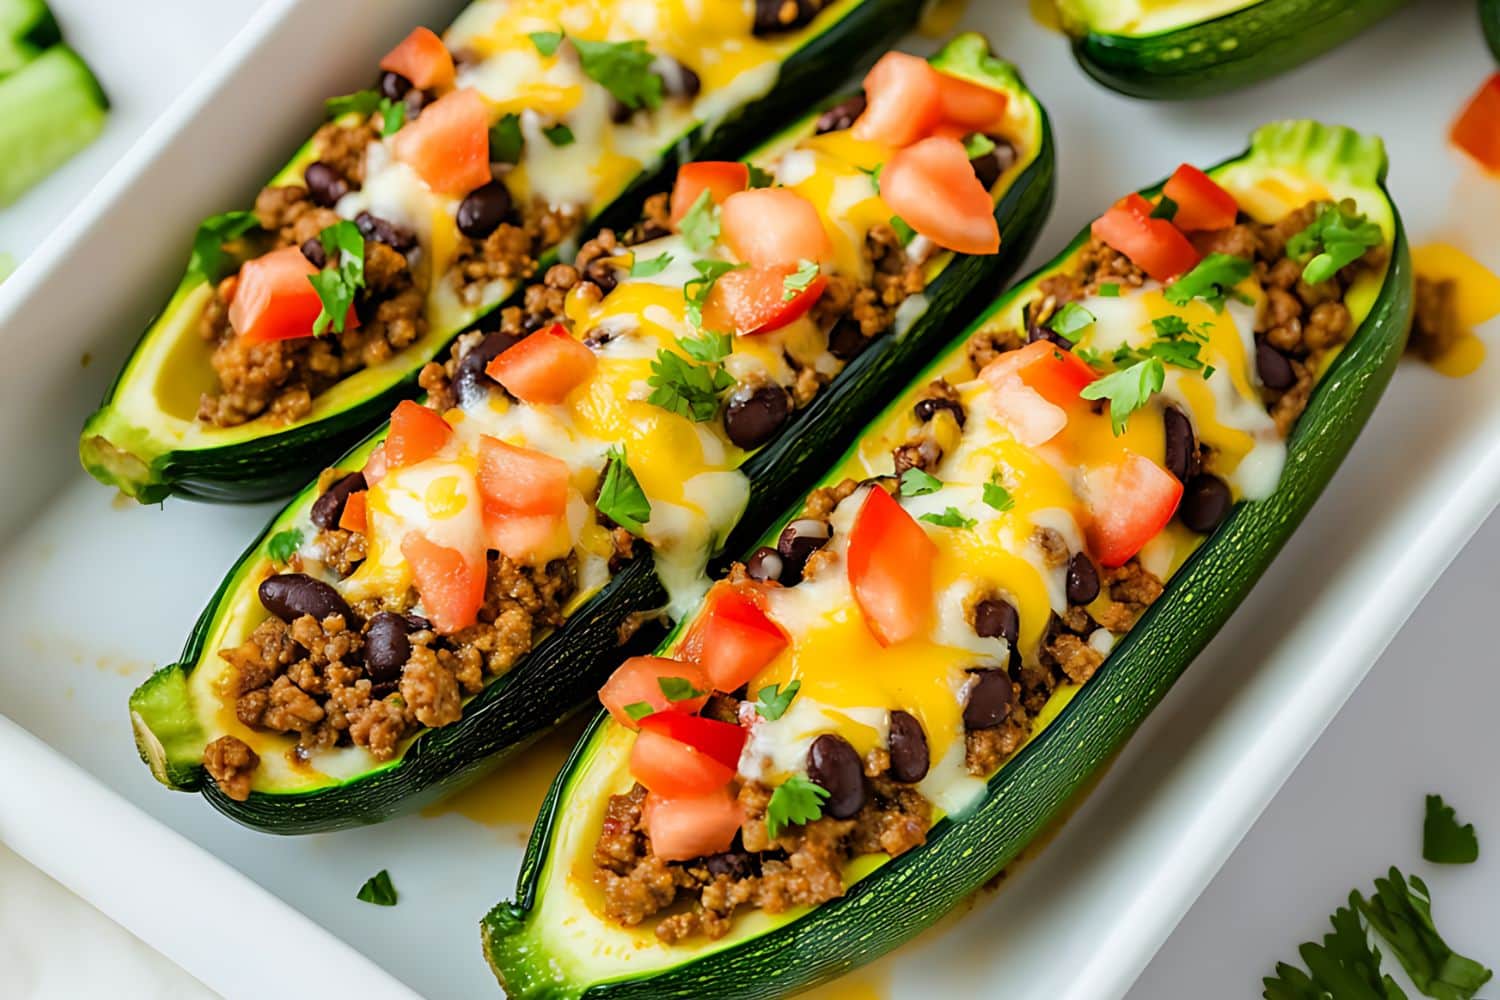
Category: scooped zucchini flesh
<point>693,468</point>
<point>148,437</point>
<point>556,940</point>
<point>1195,48</point>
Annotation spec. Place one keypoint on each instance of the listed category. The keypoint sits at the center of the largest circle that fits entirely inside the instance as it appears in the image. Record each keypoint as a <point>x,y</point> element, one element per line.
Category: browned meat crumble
<point>1435,327</point>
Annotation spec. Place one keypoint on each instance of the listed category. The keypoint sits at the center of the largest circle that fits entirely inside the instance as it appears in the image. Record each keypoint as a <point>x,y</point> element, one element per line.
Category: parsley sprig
<point>772,702</point>
<point>209,258</point>
<point>1336,238</point>
<point>337,285</point>
<point>917,483</point>
<point>1127,390</point>
<point>997,496</point>
<point>794,802</point>
<point>696,289</point>
<point>622,68</point>
<point>378,890</point>
<point>621,498</point>
<point>1444,841</point>
<point>676,689</point>
<point>1211,280</point>
<point>951,517</point>
<point>688,389</point>
<point>700,224</point>
<point>1070,321</point>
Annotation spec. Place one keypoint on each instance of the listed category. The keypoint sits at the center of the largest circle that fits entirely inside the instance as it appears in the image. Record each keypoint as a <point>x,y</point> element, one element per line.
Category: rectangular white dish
<point>1080,920</point>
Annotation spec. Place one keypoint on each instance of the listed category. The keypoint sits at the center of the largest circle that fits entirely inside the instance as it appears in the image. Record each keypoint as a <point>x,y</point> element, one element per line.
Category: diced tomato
<point>1130,504</point>
<point>685,828</point>
<point>639,679</point>
<point>1201,203</point>
<point>733,638</point>
<point>416,433</point>
<point>527,539</point>
<point>353,516</point>
<point>753,300</point>
<point>773,227</point>
<point>931,185</point>
<point>518,480</point>
<point>971,106</point>
<point>449,143</point>
<point>720,178</point>
<point>903,101</point>
<point>423,59</point>
<point>1154,245</point>
<point>375,466</point>
<point>1056,373</point>
<point>273,299</point>
<point>677,754</point>
<point>544,366</point>
<point>889,563</point>
<point>1477,129</point>
<point>451,585</point>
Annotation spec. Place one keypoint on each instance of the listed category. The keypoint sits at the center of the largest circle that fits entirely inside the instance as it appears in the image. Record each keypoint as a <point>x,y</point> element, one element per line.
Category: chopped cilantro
<point>1109,290</point>
<point>621,498</point>
<point>546,42</point>
<point>209,258</point>
<point>1166,208</point>
<point>916,483</point>
<point>649,268</point>
<point>904,231</point>
<point>361,102</point>
<point>392,116</point>
<point>874,174</point>
<point>708,348</point>
<point>337,285</point>
<point>949,518</point>
<point>794,802</point>
<point>1444,842</point>
<point>997,496</point>
<point>978,144</point>
<point>772,702</point>
<point>638,710</point>
<point>623,69</point>
<point>559,134</point>
<point>1127,389</point>
<point>796,282</point>
<point>678,689</point>
<point>283,544</point>
<point>1213,278</point>
<point>506,140</point>
<point>696,289</point>
<point>759,178</point>
<point>1337,237</point>
<point>700,226</point>
<point>685,388</point>
<point>1177,353</point>
<point>378,890</point>
<point>1070,321</point>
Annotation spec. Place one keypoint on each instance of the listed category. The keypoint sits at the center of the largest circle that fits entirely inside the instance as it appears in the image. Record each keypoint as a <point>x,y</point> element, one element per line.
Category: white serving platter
<point>95,593</point>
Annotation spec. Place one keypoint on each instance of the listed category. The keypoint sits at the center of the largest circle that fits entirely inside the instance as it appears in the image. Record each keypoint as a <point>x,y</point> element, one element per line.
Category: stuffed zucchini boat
<point>873,713</point>
<point>1196,48</point>
<point>425,203</point>
<point>473,569</point>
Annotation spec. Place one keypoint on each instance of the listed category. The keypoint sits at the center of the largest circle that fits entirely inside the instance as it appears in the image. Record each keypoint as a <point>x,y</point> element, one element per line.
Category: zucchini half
<point>1196,48</point>
<point>145,438</point>
<point>553,942</point>
<point>1489,16</point>
<point>563,672</point>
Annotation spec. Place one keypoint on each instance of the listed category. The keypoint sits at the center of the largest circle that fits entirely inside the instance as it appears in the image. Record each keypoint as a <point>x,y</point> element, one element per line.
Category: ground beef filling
<point>511,251</point>
<point>331,682</point>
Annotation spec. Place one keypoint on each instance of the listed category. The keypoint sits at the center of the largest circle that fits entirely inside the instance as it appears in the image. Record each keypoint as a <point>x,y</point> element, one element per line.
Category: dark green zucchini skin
<point>913,891</point>
<point>1489,16</point>
<point>1225,53</point>
<point>278,463</point>
<point>564,671</point>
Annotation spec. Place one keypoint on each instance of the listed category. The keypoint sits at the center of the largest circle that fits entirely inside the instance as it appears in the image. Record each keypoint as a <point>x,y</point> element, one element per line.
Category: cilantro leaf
<point>998,497</point>
<point>1109,290</point>
<point>559,134</point>
<point>638,710</point>
<point>794,802</point>
<point>649,268</point>
<point>283,544</point>
<point>621,498</point>
<point>623,69</point>
<point>949,518</point>
<point>1336,238</point>
<point>760,178</point>
<point>916,483</point>
<point>678,689</point>
<point>696,289</point>
<point>977,144</point>
<point>709,348</point>
<point>546,42</point>
<point>1344,959</point>
<point>1444,842</point>
<point>1166,208</point>
<point>1070,321</point>
<point>797,282</point>
<point>378,890</point>
<point>904,231</point>
<point>1402,915</point>
<point>1127,390</point>
<point>209,258</point>
<point>337,285</point>
<point>700,226</point>
<point>686,389</point>
<point>874,174</point>
<point>361,102</point>
<point>1213,278</point>
<point>392,116</point>
<point>772,702</point>
<point>506,140</point>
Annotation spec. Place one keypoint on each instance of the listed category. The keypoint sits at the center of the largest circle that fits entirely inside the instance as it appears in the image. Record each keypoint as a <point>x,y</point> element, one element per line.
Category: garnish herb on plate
<point>1336,238</point>
<point>1127,390</point>
<point>638,710</point>
<point>917,483</point>
<point>700,225</point>
<point>798,280</point>
<point>361,102</point>
<point>688,389</point>
<point>209,258</point>
<point>678,689</point>
<point>997,496</point>
<point>794,802</point>
<point>650,267</point>
<point>559,134</point>
<point>506,140</point>
<point>773,701</point>
<point>337,285</point>
<point>621,498</point>
<point>1070,321</point>
<point>283,544</point>
<point>1211,280</point>
<point>1444,841</point>
<point>949,518</point>
<point>378,890</point>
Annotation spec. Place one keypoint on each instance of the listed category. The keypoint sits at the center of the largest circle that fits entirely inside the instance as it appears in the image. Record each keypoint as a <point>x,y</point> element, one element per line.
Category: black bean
<point>765,563</point>
<point>387,647</point>
<point>325,184</point>
<point>289,596</point>
<point>417,622</point>
<point>842,115</point>
<point>470,384</point>
<point>798,541</point>
<point>619,111</point>
<point>846,340</point>
<point>1206,501</point>
<point>986,167</point>
<point>775,16</point>
<point>908,748</point>
<point>753,417</point>
<point>1181,445</point>
<point>313,250</point>
<point>482,211</point>
<point>990,699</point>
<point>997,619</point>
<point>416,100</point>
<point>677,80</point>
<point>833,764</point>
<point>328,508</point>
<point>393,86</point>
<point>1083,579</point>
<point>373,227</point>
<point>737,864</point>
<point>1273,367</point>
<point>931,406</point>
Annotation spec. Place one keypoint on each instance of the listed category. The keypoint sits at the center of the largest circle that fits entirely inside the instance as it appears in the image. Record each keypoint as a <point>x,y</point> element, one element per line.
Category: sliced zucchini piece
<point>563,672</point>
<point>1196,48</point>
<point>145,438</point>
<point>55,108</point>
<point>553,940</point>
<point>27,29</point>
